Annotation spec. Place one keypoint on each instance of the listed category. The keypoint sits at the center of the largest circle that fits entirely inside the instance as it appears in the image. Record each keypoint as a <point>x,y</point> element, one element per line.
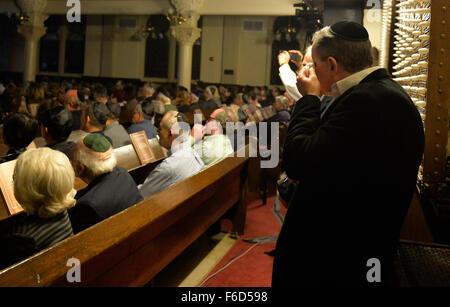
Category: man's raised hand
<point>307,82</point>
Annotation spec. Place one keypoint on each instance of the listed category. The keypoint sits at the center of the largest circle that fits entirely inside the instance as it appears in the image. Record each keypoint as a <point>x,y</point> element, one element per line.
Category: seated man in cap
<point>357,167</point>
<point>182,161</point>
<point>115,131</point>
<point>110,188</point>
<point>143,120</point>
<point>56,128</point>
<point>94,117</point>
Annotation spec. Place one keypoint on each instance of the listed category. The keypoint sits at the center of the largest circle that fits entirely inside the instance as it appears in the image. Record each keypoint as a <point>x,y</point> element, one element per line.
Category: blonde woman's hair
<point>44,182</point>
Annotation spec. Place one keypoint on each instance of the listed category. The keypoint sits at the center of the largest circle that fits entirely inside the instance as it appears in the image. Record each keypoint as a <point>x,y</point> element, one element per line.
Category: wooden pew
<point>3,146</point>
<point>132,247</point>
<point>263,181</point>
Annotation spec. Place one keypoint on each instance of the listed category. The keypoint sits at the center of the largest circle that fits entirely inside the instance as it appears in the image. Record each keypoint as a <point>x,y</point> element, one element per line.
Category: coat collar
<point>379,73</point>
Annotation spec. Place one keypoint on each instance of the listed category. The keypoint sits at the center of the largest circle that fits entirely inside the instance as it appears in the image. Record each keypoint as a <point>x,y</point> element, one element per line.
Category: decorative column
<point>32,30</point>
<point>186,34</point>
<point>172,56</point>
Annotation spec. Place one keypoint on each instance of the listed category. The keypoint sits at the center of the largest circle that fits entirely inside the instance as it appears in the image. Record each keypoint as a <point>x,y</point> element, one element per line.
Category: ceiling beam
<point>148,7</point>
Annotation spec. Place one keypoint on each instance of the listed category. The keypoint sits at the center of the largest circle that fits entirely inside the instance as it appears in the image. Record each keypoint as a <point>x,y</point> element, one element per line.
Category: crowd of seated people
<point>80,124</point>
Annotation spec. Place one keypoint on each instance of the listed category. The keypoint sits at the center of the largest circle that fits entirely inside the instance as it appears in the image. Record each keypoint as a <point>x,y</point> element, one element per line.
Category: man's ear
<point>172,131</point>
<point>332,64</point>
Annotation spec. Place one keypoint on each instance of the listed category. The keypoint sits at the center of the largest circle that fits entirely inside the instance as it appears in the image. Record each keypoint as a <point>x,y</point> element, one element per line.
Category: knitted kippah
<point>350,31</point>
<point>97,142</point>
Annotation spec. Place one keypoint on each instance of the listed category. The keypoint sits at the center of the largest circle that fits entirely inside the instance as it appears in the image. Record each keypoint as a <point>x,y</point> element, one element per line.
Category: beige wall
<point>253,54</point>
<point>226,46</point>
<point>231,43</point>
<point>111,51</point>
<point>93,46</point>
<point>212,49</point>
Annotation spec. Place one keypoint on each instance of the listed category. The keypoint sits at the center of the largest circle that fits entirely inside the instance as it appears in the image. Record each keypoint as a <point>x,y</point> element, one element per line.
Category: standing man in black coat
<point>357,167</point>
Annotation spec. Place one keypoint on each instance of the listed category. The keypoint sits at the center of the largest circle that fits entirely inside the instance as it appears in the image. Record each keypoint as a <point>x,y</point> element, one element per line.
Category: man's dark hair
<point>375,56</point>
<point>46,105</point>
<point>130,92</point>
<point>148,109</point>
<point>13,102</point>
<point>114,110</point>
<point>83,94</point>
<point>19,130</point>
<point>59,123</point>
<point>100,91</point>
<point>98,113</point>
<point>230,99</point>
<point>252,95</point>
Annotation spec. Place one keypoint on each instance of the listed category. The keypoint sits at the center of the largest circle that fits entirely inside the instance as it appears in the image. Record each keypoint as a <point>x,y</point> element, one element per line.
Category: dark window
<point>291,33</point>
<point>283,40</point>
<point>157,47</point>
<point>197,54</point>
<point>49,45</point>
<point>7,34</point>
<point>75,45</point>
<point>49,53</point>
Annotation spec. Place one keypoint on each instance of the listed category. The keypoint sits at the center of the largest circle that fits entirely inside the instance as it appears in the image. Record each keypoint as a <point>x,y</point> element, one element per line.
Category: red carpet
<point>254,269</point>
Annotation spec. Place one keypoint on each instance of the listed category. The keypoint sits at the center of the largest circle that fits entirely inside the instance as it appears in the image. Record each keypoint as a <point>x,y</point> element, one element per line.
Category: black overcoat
<point>357,169</point>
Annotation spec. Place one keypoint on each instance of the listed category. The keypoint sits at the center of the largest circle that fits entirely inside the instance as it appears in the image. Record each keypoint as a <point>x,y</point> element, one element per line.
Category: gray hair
<point>148,90</point>
<point>181,129</point>
<point>353,56</point>
<point>95,166</point>
<point>282,100</point>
